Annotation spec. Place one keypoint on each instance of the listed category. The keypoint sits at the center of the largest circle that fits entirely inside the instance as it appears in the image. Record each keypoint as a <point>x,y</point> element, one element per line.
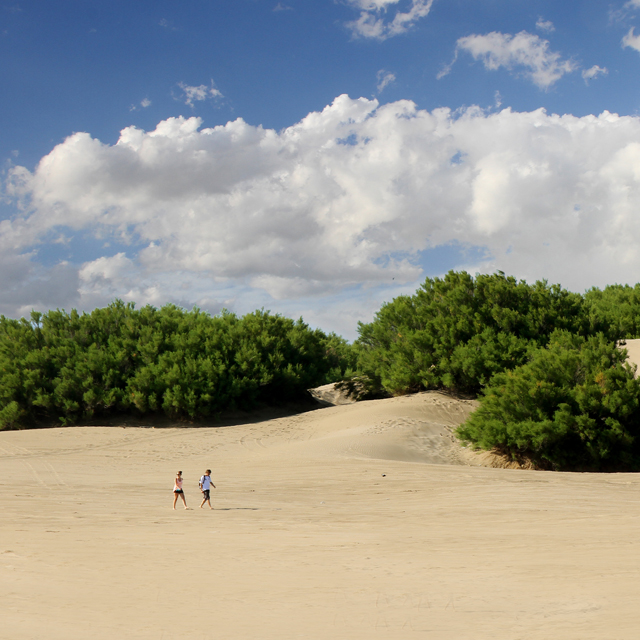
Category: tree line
<point>544,362</point>
<point>66,367</point>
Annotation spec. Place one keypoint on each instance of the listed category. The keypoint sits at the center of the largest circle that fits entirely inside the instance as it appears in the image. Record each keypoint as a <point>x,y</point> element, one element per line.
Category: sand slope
<point>633,352</point>
<point>355,521</point>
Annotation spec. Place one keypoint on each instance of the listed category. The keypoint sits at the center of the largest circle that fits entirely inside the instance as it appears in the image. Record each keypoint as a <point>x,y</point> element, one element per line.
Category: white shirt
<point>205,481</point>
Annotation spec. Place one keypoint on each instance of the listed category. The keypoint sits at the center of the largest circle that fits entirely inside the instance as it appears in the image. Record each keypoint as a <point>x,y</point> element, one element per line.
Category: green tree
<point>574,405</point>
<point>187,364</point>
<point>458,331</point>
<point>615,311</point>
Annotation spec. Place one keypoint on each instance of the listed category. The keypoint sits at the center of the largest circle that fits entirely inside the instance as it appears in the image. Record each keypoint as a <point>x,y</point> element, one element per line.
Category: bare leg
<point>183,500</point>
<point>175,499</point>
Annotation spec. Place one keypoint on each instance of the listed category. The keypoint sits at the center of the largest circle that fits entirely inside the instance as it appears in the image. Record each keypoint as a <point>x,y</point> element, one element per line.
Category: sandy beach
<point>357,521</point>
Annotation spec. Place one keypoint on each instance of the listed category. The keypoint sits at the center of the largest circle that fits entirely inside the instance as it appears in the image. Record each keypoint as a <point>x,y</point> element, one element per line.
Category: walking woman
<point>177,491</point>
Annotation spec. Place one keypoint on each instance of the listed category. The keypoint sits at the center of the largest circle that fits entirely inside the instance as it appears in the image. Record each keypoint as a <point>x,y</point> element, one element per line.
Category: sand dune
<point>355,521</point>
<point>633,352</point>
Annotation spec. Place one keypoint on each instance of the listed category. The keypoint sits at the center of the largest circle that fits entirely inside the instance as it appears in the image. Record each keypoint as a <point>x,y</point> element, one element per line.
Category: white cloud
<point>385,78</point>
<point>27,285</point>
<point>144,103</point>
<point>299,221</point>
<point>545,25</point>
<point>594,72</point>
<point>200,93</point>
<point>624,12</point>
<point>524,51</point>
<point>167,25</point>
<point>375,23</point>
<point>630,40</point>
<point>106,278</point>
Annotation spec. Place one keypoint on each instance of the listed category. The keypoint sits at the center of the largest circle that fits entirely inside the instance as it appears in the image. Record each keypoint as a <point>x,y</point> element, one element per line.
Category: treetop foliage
<point>186,364</point>
<point>574,405</point>
<point>457,332</point>
<point>615,311</point>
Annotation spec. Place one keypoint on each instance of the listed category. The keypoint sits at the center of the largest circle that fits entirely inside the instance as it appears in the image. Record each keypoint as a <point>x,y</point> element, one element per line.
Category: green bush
<point>70,366</point>
<point>574,405</point>
<point>457,332</point>
<point>614,311</point>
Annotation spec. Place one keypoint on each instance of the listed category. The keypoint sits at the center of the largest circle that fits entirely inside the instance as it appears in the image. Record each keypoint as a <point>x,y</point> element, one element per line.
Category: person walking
<point>205,484</point>
<point>177,490</point>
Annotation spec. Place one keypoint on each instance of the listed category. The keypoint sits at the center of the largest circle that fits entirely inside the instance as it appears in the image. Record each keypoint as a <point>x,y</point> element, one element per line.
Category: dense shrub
<point>614,311</point>
<point>457,332</point>
<point>70,366</point>
<point>574,405</point>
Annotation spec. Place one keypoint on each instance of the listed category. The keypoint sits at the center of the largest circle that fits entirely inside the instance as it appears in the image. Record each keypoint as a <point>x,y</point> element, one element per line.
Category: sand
<point>633,352</point>
<point>351,522</point>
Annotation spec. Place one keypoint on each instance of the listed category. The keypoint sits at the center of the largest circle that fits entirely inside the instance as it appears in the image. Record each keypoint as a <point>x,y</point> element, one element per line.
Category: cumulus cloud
<point>199,94</point>
<point>144,103</point>
<point>631,40</point>
<point>525,53</point>
<point>623,13</point>
<point>375,22</point>
<point>545,25</point>
<point>594,72</point>
<point>27,285</point>
<point>385,78</point>
<point>301,221</point>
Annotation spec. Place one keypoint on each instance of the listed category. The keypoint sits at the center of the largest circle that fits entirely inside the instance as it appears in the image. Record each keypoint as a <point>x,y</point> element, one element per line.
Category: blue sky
<point>313,157</point>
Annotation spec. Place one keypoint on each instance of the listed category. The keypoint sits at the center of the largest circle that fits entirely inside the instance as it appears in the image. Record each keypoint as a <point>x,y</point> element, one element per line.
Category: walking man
<point>205,484</point>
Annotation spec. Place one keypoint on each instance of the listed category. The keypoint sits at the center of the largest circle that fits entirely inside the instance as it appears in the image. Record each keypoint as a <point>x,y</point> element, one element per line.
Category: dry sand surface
<point>633,352</point>
<point>350,522</point>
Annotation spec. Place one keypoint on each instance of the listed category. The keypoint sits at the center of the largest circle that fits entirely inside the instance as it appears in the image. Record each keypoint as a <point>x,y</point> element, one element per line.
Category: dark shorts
<point>205,492</point>
<point>178,491</point>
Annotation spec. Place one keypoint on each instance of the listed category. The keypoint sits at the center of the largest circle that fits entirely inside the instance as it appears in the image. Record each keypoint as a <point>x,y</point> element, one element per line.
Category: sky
<point>315,158</point>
